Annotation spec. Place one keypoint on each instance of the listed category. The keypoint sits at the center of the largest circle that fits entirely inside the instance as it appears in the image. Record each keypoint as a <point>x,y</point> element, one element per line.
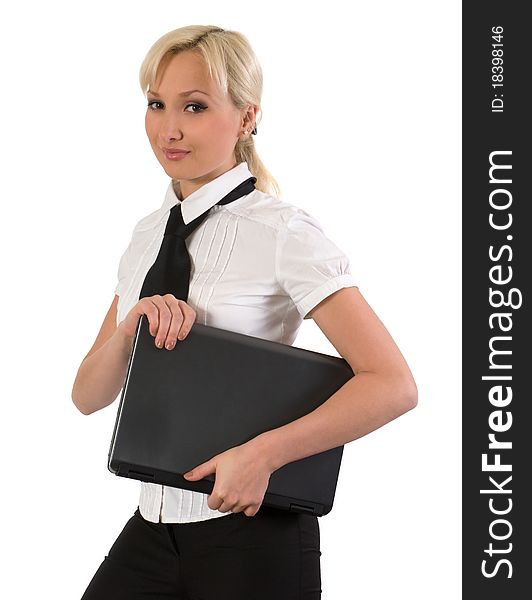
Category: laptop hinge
<point>132,473</point>
<point>301,508</point>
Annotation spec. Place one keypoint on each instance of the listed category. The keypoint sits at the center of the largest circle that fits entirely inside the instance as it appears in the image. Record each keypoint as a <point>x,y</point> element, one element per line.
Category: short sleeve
<point>123,271</point>
<point>309,266</point>
<point>129,259</point>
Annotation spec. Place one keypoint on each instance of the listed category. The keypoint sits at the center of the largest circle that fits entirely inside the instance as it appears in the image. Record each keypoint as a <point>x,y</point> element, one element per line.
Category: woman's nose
<point>171,128</point>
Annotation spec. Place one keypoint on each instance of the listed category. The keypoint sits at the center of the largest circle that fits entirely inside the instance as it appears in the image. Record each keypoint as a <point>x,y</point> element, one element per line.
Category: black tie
<point>170,273</point>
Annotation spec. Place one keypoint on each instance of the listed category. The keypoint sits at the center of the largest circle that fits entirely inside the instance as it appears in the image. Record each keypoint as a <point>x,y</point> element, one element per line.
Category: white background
<point>361,127</point>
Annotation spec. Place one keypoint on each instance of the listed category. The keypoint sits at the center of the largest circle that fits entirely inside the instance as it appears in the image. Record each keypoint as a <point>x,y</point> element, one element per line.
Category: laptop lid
<point>217,389</point>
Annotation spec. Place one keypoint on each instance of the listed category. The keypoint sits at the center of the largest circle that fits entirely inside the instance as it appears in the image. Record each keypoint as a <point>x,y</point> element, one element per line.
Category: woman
<point>258,266</point>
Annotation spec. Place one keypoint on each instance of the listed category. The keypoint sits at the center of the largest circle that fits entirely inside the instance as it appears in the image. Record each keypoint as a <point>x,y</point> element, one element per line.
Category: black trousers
<point>274,555</point>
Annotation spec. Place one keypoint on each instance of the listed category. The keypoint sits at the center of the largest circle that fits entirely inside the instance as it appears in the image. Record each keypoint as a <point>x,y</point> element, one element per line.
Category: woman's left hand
<point>242,475</point>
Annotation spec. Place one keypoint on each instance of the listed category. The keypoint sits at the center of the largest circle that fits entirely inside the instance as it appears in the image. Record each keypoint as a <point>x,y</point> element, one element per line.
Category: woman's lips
<point>174,155</point>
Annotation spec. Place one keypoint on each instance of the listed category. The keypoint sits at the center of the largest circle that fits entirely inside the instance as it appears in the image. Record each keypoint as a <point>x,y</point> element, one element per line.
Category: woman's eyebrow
<point>187,93</point>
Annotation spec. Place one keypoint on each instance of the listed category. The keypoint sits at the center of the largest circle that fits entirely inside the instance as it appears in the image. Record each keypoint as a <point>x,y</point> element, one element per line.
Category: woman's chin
<point>172,171</point>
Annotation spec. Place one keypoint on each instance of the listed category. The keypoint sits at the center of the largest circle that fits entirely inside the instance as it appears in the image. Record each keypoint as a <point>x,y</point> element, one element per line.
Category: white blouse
<point>258,266</point>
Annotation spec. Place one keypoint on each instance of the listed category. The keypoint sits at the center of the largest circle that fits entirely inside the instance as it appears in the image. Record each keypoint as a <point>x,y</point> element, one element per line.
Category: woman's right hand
<point>169,319</point>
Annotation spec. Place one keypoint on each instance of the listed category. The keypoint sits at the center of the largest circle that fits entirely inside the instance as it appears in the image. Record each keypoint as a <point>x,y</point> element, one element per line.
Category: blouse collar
<point>208,194</point>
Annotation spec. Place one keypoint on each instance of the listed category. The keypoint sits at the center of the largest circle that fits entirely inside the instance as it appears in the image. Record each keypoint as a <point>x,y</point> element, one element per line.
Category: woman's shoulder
<point>273,211</point>
<point>150,220</point>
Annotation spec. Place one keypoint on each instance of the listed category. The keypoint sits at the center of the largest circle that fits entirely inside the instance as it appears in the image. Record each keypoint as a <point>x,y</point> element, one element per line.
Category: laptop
<point>217,389</point>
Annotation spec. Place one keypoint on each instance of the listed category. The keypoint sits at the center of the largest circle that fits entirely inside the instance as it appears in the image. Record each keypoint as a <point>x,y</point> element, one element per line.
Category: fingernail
<point>159,344</point>
<point>169,345</point>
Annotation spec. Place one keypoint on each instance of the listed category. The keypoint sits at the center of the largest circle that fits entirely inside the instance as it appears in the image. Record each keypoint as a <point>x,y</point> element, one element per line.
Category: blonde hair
<point>233,66</point>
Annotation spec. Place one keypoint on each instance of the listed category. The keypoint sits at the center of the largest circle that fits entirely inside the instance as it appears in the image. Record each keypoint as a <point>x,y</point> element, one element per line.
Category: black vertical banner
<point>497,254</point>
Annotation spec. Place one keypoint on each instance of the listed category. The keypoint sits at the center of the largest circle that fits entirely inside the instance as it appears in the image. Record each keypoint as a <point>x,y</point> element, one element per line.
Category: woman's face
<point>207,124</point>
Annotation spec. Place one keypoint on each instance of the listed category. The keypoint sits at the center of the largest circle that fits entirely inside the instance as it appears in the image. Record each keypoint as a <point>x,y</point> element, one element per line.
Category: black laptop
<point>217,389</point>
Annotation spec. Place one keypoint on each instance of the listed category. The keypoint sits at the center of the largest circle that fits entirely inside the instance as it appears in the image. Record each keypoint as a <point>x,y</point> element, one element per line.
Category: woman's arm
<point>102,372</point>
<point>383,387</point>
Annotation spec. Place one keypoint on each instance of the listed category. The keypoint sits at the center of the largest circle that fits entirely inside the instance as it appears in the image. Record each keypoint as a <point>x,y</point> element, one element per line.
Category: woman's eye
<point>200,106</point>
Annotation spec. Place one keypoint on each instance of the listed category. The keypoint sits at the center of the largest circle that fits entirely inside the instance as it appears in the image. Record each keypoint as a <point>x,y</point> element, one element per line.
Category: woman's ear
<point>249,118</point>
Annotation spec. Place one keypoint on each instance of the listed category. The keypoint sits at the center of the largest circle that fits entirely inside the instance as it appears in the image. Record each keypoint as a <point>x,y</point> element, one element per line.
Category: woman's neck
<point>177,190</point>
